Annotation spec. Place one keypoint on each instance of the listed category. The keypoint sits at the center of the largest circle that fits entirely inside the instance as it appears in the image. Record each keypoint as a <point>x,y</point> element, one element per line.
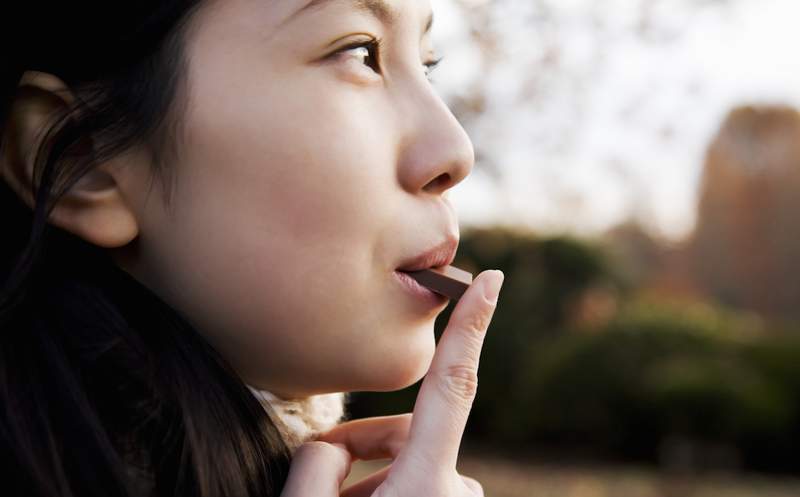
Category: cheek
<point>316,168</point>
<point>283,228</point>
<point>278,246</point>
<point>277,200</point>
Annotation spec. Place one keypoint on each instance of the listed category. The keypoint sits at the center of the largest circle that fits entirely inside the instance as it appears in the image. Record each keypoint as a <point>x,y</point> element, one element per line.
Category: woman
<point>206,200</point>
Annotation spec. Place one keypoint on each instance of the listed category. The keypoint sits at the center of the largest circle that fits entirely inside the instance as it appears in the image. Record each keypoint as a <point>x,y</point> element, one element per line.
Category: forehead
<point>387,11</point>
<point>285,23</point>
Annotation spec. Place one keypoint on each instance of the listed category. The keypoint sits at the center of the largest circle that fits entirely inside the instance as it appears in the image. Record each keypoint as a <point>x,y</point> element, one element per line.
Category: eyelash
<point>374,48</point>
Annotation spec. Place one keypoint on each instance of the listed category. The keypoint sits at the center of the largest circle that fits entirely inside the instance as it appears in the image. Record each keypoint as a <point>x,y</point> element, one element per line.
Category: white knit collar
<point>300,420</point>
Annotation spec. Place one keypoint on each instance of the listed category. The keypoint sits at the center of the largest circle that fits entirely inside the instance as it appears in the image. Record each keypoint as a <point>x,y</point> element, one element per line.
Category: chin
<point>402,370</point>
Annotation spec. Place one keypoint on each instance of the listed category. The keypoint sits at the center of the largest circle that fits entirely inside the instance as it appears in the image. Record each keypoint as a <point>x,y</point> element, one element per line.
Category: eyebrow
<point>377,8</point>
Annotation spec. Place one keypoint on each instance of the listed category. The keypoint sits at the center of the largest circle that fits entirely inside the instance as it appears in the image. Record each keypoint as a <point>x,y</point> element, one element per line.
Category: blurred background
<point>638,181</point>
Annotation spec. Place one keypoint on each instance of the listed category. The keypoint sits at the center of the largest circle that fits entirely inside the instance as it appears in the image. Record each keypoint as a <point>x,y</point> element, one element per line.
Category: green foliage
<point>621,387</point>
<point>541,277</point>
<point>661,371</point>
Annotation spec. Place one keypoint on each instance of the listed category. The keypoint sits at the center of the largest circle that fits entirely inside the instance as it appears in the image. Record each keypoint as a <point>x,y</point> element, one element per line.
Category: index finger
<point>448,390</point>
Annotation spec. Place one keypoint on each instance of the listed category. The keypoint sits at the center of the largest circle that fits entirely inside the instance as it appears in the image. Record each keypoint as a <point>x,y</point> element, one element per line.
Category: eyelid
<point>375,44</point>
<point>431,64</point>
<point>371,43</point>
<point>368,41</point>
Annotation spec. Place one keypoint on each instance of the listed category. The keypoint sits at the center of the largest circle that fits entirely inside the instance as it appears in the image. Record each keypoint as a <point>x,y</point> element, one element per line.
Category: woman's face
<point>310,168</point>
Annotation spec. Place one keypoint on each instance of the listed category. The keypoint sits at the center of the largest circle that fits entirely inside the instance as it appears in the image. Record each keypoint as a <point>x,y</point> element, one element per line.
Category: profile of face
<point>314,160</point>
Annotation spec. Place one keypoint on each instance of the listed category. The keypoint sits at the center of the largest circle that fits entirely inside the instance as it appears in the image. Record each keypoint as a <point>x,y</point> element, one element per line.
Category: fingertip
<point>491,284</point>
<point>347,458</point>
<point>342,447</point>
<point>316,468</point>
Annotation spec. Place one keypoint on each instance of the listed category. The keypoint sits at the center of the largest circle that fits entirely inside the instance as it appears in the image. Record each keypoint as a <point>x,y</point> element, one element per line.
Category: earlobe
<point>94,208</point>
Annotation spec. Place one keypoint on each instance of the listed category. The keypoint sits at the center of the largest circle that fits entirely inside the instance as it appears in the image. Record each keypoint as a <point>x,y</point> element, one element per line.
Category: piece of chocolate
<point>447,280</point>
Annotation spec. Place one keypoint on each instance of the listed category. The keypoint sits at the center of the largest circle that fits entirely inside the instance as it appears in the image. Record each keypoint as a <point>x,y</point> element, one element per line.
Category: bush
<point>655,372</point>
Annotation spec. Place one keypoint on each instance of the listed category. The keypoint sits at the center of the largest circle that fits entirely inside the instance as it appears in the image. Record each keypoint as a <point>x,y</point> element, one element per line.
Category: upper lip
<point>440,255</point>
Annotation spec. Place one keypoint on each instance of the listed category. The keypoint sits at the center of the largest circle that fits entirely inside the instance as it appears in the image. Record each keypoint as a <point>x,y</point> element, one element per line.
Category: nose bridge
<point>437,152</point>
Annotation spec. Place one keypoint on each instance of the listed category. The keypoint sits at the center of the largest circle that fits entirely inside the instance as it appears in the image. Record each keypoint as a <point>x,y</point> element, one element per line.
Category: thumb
<point>318,469</point>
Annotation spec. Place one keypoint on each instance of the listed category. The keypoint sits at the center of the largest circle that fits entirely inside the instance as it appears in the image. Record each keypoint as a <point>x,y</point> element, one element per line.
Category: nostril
<point>439,183</point>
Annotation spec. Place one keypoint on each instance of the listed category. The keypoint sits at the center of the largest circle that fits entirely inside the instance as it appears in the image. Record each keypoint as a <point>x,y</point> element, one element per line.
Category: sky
<point>617,127</point>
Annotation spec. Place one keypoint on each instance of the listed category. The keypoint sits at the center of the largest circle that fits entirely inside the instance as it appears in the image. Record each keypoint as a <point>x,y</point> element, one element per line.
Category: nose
<point>437,153</point>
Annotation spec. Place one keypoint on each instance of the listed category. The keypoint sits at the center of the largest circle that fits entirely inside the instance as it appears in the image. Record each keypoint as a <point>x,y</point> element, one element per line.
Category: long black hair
<point>105,390</point>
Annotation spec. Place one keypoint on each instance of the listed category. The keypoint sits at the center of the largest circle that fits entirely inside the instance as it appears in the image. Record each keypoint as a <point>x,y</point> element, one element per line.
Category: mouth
<point>421,294</point>
<point>440,255</point>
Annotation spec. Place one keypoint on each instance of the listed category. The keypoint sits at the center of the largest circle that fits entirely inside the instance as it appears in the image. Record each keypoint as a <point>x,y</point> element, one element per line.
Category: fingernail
<point>491,287</point>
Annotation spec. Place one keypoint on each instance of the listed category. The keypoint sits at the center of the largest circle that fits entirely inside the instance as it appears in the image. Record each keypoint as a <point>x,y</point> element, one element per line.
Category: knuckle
<point>459,383</point>
<point>477,322</point>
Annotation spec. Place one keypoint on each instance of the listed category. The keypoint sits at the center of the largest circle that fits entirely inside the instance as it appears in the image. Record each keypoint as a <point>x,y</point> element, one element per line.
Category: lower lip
<point>421,293</point>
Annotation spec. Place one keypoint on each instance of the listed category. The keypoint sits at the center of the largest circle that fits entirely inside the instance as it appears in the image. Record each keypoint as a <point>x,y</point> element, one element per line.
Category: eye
<point>430,66</point>
<point>367,52</point>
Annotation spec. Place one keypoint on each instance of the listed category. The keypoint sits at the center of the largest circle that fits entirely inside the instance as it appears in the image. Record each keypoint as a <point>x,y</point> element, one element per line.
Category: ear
<point>95,208</point>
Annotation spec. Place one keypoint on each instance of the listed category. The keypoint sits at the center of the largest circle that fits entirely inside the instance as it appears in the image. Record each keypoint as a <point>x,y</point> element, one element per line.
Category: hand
<point>423,446</point>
